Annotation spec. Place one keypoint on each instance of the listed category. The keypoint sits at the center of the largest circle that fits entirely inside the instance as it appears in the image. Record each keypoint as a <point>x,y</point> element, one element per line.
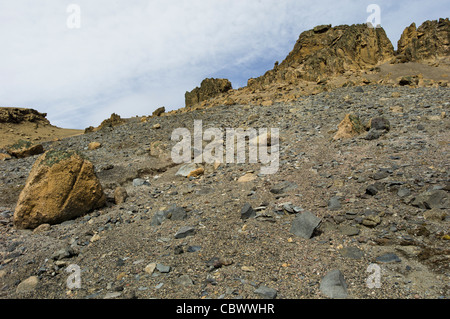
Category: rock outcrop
<point>431,40</point>
<point>61,186</point>
<point>23,149</point>
<point>209,88</point>
<point>16,115</point>
<point>326,51</point>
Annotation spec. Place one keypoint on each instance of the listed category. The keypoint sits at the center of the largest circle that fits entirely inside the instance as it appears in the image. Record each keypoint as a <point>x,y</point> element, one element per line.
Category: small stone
<point>381,174</point>
<point>184,280</point>
<point>380,124</point>
<point>248,268</point>
<point>150,268</point>
<point>120,195</point>
<point>334,203</point>
<point>112,295</point>
<point>403,192</point>
<point>28,285</point>
<point>333,285</point>
<point>349,230</point>
<point>283,187</point>
<point>247,212</point>
<point>184,232</point>
<point>247,178</point>
<point>162,268</point>
<point>95,238</point>
<point>266,292</point>
<point>304,225</point>
<point>388,258</point>
<point>42,228</point>
<point>352,252</point>
<point>94,145</point>
<point>139,182</point>
<point>371,190</point>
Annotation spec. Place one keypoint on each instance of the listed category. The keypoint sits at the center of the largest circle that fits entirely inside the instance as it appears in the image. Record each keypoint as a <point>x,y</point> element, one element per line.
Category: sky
<point>79,61</point>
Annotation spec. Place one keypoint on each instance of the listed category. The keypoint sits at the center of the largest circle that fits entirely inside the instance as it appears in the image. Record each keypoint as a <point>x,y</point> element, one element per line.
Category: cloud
<point>133,56</point>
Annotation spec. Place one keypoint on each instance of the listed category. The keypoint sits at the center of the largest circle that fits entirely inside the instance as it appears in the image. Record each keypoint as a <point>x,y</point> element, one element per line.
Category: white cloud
<point>131,57</point>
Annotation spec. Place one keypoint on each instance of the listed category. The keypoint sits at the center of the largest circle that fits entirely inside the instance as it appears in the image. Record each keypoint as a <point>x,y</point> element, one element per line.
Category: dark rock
<point>388,258</point>
<point>432,199</point>
<point>184,232</point>
<point>266,292</point>
<point>247,212</point>
<point>304,225</point>
<point>283,187</point>
<point>333,285</point>
<point>334,203</point>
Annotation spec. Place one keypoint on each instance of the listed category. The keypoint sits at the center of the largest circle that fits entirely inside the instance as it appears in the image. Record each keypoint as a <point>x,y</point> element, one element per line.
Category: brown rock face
<point>61,186</point>
<point>208,89</point>
<point>429,41</point>
<point>20,115</point>
<point>326,51</point>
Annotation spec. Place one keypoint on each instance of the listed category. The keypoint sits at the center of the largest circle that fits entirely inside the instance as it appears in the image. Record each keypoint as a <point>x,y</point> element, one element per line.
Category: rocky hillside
<point>327,57</point>
<point>357,207</point>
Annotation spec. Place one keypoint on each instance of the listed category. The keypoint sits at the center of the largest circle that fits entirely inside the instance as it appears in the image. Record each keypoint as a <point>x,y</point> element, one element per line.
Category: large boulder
<point>209,88</point>
<point>62,185</point>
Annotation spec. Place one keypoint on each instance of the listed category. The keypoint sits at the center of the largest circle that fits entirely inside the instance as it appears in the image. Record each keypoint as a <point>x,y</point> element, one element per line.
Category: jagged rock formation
<point>16,115</point>
<point>325,51</point>
<point>208,89</point>
<point>326,57</point>
<point>429,41</point>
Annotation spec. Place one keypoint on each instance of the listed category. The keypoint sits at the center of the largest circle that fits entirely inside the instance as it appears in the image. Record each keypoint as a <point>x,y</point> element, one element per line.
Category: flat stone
<point>162,268</point>
<point>28,285</point>
<point>304,224</point>
<point>388,258</point>
<point>432,199</point>
<point>352,252</point>
<point>184,280</point>
<point>184,232</point>
<point>349,230</point>
<point>334,203</point>
<point>333,285</point>
<point>266,292</point>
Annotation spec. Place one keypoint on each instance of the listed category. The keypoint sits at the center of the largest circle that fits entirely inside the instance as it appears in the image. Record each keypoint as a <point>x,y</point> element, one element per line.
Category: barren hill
<point>357,207</point>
